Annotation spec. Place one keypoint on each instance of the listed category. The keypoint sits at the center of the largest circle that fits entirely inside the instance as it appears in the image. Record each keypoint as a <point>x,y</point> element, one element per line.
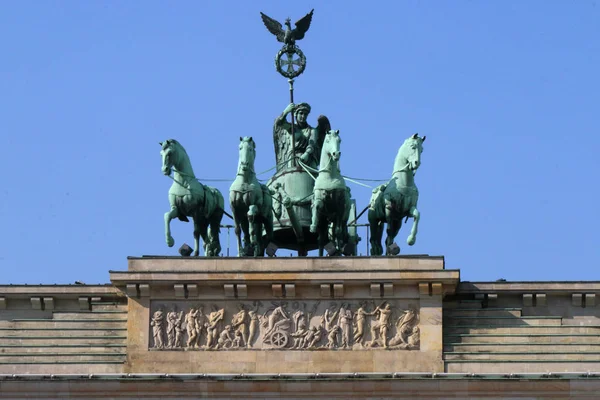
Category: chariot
<point>279,336</point>
<point>292,190</point>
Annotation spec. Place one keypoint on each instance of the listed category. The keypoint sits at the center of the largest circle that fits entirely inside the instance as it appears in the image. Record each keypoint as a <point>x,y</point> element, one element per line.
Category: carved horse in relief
<point>190,198</point>
<point>251,204</point>
<point>331,197</point>
<point>397,199</point>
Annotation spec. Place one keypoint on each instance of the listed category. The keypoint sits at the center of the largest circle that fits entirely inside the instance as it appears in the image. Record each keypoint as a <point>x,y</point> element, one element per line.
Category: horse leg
<point>339,238</point>
<point>375,231</point>
<point>376,226</point>
<point>259,251</point>
<point>237,223</point>
<point>253,227</point>
<point>393,226</point>
<point>317,206</point>
<point>200,225</point>
<point>322,236</point>
<point>341,223</point>
<point>268,223</point>
<point>214,248</point>
<point>168,217</point>
<point>412,238</point>
<point>380,229</point>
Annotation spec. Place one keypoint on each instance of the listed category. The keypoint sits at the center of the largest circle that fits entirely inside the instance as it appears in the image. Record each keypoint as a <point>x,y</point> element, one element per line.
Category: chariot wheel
<point>279,339</point>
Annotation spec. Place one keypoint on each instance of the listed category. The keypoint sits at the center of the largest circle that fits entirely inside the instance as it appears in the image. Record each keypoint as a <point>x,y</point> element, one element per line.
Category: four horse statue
<point>397,199</point>
<point>251,204</point>
<point>331,197</point>
<point>190,198</point>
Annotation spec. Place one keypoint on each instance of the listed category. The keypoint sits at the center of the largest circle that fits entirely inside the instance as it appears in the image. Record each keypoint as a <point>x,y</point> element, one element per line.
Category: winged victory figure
<point>289,35</point>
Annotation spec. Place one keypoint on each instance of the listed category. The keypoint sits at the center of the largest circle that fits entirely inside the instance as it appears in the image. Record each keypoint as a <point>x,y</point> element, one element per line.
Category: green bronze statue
<point>307,139</point>
<point>288,36</point>
<point>190,198</point>
<point>397,199</point>
<point>331,197</point>
<point>251,204</point>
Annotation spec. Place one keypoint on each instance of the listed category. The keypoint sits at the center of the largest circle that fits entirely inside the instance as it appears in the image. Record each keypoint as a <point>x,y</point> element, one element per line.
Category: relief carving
<point>157,324</point>
<point>212,326</point>
<point>277,326</point>
<point>379,327</point>
<point>254,318</point>
<point>407,333</point>
<point>345,323</point>
<point>174,328</point>
<point>307,325</point>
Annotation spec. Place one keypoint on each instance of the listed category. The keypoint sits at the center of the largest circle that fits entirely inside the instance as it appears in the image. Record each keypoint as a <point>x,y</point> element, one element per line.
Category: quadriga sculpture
<point>251,204</point>
<point>331,197</point>
<point>190,198</point>
<point>397,199</point>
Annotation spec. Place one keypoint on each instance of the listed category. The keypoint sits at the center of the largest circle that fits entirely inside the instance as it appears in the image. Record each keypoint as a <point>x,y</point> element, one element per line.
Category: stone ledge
<point>59,291</point>
<point>529,287</point>
<point>280,264</point>
<point>323,276</point>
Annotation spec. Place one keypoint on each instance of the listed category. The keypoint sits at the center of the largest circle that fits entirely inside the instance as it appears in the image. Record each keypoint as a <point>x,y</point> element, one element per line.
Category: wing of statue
<point>323,126</point>
<point>302,25</point>
<point>275,27</point>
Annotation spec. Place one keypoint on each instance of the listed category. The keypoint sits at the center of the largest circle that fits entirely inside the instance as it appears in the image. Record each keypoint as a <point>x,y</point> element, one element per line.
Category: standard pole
<point>291,82</point>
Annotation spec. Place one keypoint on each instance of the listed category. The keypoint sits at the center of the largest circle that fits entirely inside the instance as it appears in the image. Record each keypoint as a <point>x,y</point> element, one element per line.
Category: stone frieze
<point>284,325</point>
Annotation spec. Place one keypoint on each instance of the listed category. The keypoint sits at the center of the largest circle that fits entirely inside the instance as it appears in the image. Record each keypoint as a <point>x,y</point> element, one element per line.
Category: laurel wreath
<point>290,51</point>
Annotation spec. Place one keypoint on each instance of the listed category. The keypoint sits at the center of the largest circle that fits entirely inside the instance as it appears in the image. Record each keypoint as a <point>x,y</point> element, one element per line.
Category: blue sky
<point>507,92</point>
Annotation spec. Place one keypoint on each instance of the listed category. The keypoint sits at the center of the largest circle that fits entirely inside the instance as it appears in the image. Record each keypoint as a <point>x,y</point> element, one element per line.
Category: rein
<point>403,169</point>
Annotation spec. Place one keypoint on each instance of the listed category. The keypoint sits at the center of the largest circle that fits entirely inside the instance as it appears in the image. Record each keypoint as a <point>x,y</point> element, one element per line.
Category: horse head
<point>168,153</point>
<point>247,155</point>
<point>331,145</point>
<point>409,154</point>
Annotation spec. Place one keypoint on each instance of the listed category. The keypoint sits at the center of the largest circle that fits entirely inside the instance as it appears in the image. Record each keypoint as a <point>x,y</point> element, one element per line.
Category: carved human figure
<point>278,315</point>
<point>313,336</point>
<point>405,330</point>
<point>300,320</point>
<point>414,340</point>
<point>171,321</point>
<point>254,324</point>
<point>329,316</point>
<point>191,325</point>
<point>360,323</point>
<point>201,322</point>
<point>332,337</point>
<point>214,318</point>
<point>225,340</point>
<point>157,323</point>
<point>239,322</point>
<point>238,340</point>
<point>379,328</point>
<point>345,324</point>
<point>299,338</point>
<point>179,330</point>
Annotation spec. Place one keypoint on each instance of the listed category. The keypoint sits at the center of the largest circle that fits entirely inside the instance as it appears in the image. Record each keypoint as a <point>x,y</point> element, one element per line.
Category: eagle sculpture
<point>289,35</point>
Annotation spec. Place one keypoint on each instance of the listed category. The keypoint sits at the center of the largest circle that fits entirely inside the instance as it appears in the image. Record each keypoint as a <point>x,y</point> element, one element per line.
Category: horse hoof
<point>170,241</point>
<point>411,240</point>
